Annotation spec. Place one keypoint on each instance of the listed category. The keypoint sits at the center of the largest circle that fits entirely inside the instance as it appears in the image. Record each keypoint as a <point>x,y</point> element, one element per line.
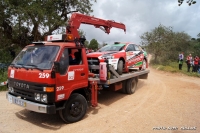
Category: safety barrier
<point>3,83</point>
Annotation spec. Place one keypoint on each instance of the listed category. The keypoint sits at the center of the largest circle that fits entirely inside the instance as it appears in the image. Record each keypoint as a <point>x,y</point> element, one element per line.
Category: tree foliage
<point>86,43</point>
<point>190,2</point>
<point>93,44</point>
<point>165,44</point>
<point>22,21</point>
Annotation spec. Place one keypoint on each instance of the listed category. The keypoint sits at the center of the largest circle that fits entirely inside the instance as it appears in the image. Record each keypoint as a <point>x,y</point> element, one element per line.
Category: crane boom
<point>77,18</point>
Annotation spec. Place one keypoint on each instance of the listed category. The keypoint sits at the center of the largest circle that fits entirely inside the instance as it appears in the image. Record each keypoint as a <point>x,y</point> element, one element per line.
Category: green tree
<point>198,39</point>
<point>93,44</point>
<point>165,44</point>
<point>195,46</point>
<point>86,44</point>
<point>81,33</point>
<point>31,20</point>
<point>156,41</point>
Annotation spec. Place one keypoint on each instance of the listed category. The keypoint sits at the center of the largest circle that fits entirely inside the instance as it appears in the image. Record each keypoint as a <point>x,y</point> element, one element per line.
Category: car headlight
<point>44,98</point>
<point>37,96</point>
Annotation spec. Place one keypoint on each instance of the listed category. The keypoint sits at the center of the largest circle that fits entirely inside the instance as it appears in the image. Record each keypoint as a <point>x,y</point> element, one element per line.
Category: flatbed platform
<point>141,74</point>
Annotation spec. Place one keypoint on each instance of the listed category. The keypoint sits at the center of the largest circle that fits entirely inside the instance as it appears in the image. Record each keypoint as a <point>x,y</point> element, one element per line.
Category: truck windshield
<point>40,57</point>
<point>114,47</point>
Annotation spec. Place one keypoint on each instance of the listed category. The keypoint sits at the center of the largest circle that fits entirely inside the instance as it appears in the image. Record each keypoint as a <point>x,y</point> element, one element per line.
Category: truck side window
<point>75,57</point>
<point>64,61</point>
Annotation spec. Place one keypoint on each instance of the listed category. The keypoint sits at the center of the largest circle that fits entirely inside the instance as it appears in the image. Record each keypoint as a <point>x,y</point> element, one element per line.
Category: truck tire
<point>124,87</point>
<point>120,67</point>
<point>131,86</point>
<point>75,108</point>
<point>144,65</point>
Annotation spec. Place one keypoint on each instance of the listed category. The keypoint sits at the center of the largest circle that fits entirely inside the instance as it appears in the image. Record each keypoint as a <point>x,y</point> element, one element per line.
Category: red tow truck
<point>45,78</point>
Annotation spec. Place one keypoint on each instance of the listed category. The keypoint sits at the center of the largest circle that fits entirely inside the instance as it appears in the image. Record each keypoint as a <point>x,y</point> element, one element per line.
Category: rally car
<point>122,56</point>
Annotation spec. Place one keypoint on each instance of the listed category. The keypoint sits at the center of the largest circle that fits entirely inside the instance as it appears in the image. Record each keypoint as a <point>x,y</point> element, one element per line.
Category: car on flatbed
<point>123,57</point>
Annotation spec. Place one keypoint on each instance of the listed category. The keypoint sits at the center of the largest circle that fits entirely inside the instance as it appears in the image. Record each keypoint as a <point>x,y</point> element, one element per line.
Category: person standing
<point>198,66</point>
<point>189,62</point>
<point>180,61</point>
<point>196,63</point>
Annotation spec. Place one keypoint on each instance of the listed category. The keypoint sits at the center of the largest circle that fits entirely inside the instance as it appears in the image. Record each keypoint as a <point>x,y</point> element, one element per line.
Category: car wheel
<point>120,67</point>
<point>144,65</point>
<point>75,108</point>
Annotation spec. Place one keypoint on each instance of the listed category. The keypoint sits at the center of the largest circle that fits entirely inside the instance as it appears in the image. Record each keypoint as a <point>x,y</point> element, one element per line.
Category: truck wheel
<point>75,108</point>
<point>120,67</point>
<point>131,86</point>
<point>124,87</point>
<point>144,65</point>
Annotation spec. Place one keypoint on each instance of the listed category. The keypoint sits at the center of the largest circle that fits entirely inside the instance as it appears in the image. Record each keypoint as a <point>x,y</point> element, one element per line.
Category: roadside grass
<point>173,68</point>
<point>3,77</point>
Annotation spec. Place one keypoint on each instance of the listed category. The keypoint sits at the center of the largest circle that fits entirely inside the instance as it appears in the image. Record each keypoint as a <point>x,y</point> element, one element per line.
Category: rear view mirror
<point>57,67</point>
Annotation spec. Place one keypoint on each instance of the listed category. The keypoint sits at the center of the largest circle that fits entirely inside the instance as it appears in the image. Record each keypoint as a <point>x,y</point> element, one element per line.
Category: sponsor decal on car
<point>134,59</point>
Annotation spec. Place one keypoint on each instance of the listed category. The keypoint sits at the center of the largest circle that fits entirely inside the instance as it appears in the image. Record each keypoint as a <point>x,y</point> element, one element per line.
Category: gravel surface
<point>165,102</point>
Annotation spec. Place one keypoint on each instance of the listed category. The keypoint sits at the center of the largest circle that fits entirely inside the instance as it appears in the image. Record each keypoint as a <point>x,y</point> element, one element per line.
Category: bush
<point>3,77</point>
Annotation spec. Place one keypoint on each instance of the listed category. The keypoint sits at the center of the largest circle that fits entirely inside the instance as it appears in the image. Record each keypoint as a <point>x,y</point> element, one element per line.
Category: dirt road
<point>165,102</point>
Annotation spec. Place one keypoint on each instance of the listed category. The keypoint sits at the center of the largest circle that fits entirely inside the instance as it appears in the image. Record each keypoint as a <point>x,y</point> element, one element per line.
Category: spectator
<point>181,56</point>
<point>180,61</point>
<point>189,62</point>
<point>199,65</point>
<point>196,63</point>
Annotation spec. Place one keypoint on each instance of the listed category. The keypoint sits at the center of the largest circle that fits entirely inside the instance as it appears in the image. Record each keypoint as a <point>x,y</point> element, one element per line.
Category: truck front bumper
<point>36,107</point>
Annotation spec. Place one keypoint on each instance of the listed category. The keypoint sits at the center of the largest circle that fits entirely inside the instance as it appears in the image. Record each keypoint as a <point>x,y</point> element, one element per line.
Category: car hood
<point>97,54</point>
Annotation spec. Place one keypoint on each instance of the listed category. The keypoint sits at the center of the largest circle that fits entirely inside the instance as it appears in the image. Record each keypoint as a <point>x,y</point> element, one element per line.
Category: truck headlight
<point>44,98</point>
<point>11,89</point>
<point>37,96</point>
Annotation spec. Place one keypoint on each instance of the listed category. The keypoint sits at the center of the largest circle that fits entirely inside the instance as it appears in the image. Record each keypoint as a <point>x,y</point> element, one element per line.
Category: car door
<point>129,51</point>
<point>133,55</point>
<point>139,56</point>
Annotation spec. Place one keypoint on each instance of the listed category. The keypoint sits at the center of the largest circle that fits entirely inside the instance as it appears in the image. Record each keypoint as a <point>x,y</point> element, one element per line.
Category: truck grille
<point>26,90</point>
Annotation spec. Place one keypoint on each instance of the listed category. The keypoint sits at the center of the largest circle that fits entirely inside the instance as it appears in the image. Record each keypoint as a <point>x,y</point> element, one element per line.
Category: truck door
<point>73,73</point>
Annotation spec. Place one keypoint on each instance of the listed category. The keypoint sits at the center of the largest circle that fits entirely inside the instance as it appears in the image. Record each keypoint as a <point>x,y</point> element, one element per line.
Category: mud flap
<point>144,76</point>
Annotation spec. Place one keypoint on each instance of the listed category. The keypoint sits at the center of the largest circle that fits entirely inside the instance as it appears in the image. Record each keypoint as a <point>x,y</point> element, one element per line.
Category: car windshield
<point>39,56</point>
<point>113,47</point>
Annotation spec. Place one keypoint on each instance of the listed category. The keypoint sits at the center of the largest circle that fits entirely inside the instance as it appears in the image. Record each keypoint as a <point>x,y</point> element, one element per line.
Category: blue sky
<point>141,16</point>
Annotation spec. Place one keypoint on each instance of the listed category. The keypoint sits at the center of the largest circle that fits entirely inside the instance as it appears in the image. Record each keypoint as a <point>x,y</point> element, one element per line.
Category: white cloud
<point>141,16</point>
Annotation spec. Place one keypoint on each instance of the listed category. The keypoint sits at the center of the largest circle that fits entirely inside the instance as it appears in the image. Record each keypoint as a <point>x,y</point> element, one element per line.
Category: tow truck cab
<point>43,75</point>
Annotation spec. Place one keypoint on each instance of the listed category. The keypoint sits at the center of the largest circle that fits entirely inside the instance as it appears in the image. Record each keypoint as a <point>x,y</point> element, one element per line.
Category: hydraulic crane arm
<point>77,18</point>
